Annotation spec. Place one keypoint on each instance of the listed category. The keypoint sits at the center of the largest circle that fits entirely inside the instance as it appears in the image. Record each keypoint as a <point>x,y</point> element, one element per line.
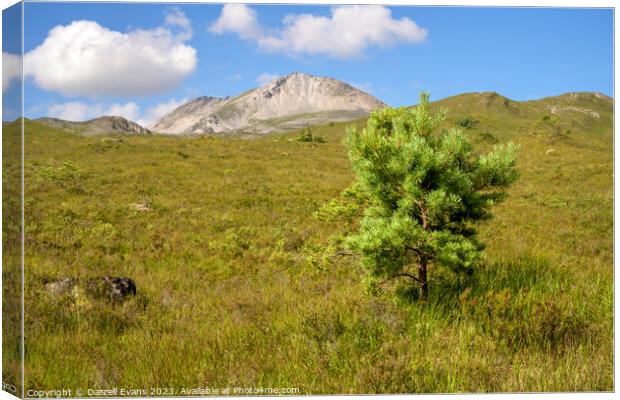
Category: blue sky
<point>11,44</point>
<point>95,61</point>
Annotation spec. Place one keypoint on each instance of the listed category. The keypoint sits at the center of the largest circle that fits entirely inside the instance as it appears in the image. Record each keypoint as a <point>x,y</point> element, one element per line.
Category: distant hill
<point>286,103</point>
<point>555,117</point>
<point>97,126</point>
<point>295,99</point>
<point>583,102</point>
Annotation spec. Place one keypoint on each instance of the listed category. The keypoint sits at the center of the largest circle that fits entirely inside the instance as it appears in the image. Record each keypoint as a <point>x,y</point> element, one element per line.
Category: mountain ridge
<point>100,125</point>
<point>580,104</point>
<point>288,102</point>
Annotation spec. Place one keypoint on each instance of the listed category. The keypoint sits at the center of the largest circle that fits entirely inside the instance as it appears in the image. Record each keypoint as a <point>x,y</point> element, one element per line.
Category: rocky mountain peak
<point>287,102</point>
<point>102,125</point>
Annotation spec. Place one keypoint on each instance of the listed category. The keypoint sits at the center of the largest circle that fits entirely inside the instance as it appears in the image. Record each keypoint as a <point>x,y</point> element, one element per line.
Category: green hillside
<point>236,287</point>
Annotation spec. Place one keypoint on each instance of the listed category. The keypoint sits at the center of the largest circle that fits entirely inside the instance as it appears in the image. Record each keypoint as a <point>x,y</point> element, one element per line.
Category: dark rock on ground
<point>116,289</point>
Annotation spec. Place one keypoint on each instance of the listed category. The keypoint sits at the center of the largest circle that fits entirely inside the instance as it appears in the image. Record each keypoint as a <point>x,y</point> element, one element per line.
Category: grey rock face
<point>115,289</point>
<point>289,102</point>
<point>61,286</point>
<point>97,126</point>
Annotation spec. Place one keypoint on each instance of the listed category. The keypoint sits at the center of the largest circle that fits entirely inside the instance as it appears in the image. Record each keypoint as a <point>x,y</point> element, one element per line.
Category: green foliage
<point>67,176</point>
<point>552,127</point>
<point>488,137</point>
<point>467,122</point>
<point>305,135</point>
<point>426,191</point>
<point>261,306</point>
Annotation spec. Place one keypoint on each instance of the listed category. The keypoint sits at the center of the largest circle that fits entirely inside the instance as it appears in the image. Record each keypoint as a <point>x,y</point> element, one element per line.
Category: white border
<point>447,3</point>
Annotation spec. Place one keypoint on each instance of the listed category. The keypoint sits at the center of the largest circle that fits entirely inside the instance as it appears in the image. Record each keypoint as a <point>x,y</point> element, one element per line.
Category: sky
<point>142,60</point>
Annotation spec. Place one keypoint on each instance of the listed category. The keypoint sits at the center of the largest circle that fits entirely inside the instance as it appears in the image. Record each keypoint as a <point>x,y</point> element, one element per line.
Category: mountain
<point>97,126</point>
<point>286,103</point>
<point>580,102</point>
<point>569,116</point>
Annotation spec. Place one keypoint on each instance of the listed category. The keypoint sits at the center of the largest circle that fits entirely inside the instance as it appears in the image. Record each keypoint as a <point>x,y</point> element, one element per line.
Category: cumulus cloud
<point>239,19</point>
<point>152,114</point>
<point>176,17</point>
<point>74,111</point>
<point>129,110</point>
<point>266,78</point>
<point>78,111</point>
<point>348,32</point>
<point>11,69</point>
<point>87,59</point>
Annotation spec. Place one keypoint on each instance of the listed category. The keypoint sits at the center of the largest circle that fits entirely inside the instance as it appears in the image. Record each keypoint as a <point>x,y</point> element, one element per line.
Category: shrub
<point>488,137</point>
<point>466,122</point>
<point>305,135</point>
<point>426,190</point>
<point>67,176</point>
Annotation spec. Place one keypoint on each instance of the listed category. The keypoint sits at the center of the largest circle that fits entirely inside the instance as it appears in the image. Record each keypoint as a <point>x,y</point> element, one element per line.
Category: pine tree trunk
<point>422,280</point>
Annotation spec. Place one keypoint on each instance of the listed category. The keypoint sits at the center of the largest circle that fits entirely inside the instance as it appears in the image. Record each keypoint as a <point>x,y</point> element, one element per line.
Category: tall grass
<point>234,288</point>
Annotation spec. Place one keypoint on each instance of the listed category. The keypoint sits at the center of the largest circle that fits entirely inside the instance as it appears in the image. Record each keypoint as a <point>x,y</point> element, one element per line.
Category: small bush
<point>305,135</point>
<point>550,126</point>
<point>467,122</point>
<point>235,242</point>
<point>67,176</point>
<point>486,136</point>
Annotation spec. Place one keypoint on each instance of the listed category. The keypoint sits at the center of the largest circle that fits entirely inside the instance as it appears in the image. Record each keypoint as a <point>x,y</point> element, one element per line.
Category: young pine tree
<point>424,191</point>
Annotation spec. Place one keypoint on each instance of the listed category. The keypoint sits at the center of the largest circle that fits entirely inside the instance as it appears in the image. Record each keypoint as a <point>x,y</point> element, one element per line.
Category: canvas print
<point>289,200</point>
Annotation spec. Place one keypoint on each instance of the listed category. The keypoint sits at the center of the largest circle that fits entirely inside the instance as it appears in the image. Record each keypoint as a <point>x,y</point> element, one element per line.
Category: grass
<point>234,289</point>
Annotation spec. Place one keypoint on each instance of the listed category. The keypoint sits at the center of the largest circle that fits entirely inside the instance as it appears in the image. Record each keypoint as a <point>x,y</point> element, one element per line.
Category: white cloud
<point>129,110</point>
<point>78,111</point>
<point>348,32</point>
<point>74,111</point>
<point>266,78</point>
<point>87,59</point>
<point>176,17</point>
<point>152,114</point>
<point>239,19</point>
<point>235,77</point>
<point>11,69</point>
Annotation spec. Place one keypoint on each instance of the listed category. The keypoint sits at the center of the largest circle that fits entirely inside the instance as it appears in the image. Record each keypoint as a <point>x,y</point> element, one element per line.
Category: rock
<point>569,109</point>
<point>61,286</point>
<point>140,207</point>
<point>97,126</point>
<point>115,289</point>
<point>286,103</point>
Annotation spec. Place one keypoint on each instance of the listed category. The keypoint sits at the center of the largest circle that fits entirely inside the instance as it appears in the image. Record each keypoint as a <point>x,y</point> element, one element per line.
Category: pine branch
<point>402,274</point>
<point>346,253</point>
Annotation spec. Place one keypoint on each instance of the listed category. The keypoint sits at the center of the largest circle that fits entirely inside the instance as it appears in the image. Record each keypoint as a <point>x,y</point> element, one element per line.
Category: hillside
<point>234,272</point>
<point>556,118</point>
<point>286,103</point>
<point>97,126</point>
